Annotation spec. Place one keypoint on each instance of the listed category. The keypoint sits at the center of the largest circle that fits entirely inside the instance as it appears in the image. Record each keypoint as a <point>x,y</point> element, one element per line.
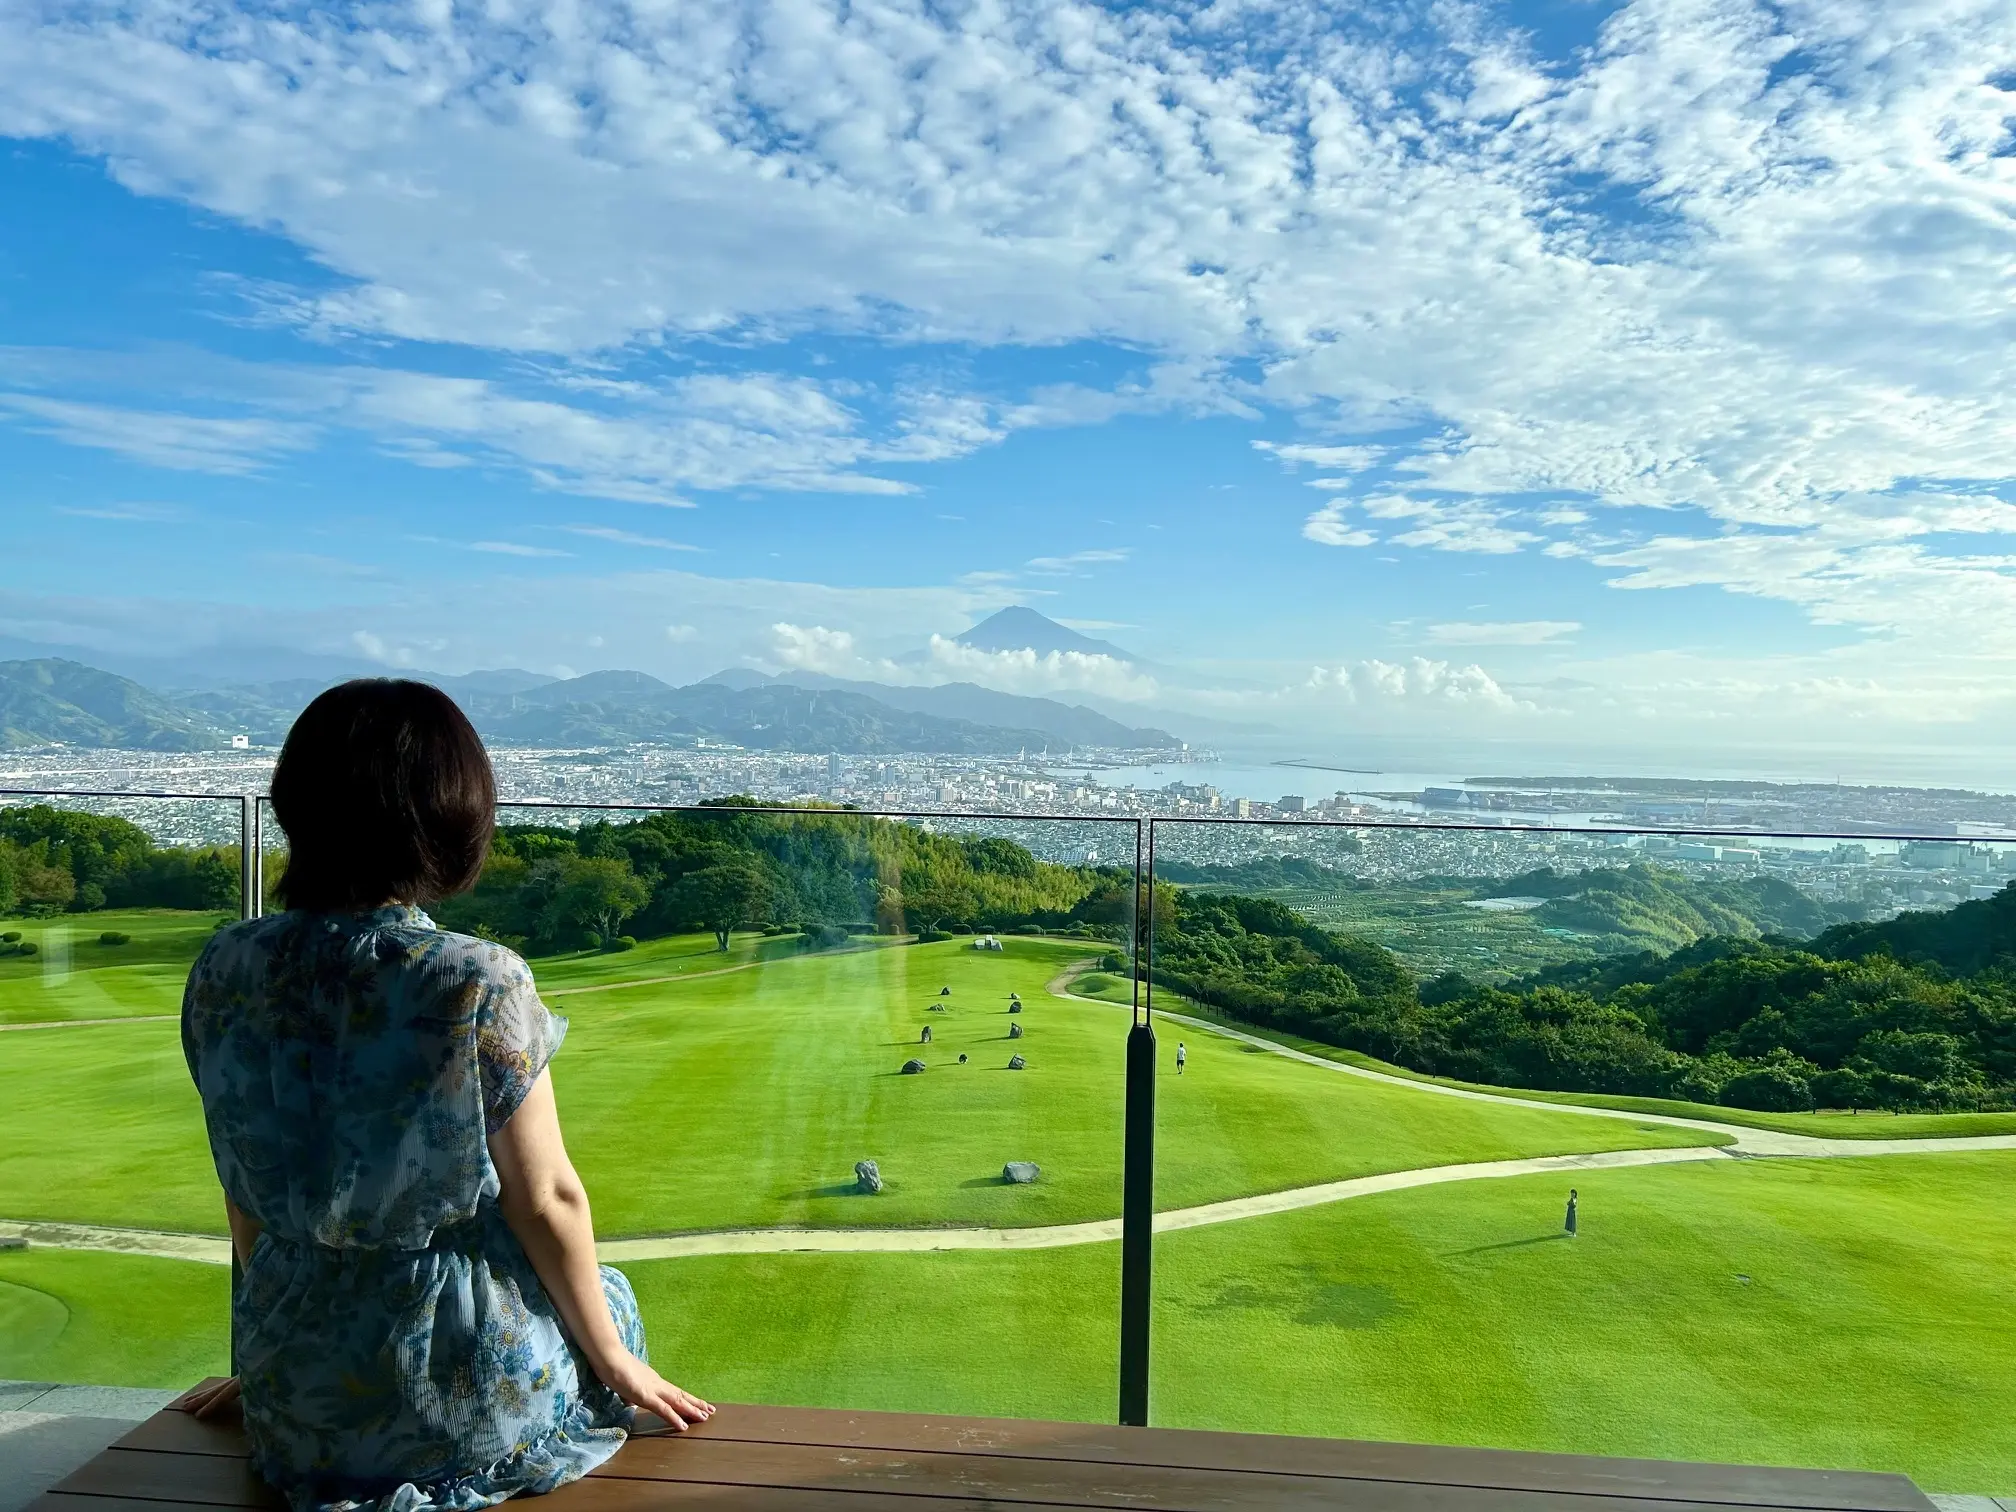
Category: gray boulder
<point>1015,1063</point>
<point>925,1037</point>
<point>1016,1006</point>
<point>1014,1031</point>
<point>913,1068</point>
<point>944,992</point>
<point>867,1177</point>
<point>1020,1172</point>
<point>962,1057</point>
<point>12,1242</point>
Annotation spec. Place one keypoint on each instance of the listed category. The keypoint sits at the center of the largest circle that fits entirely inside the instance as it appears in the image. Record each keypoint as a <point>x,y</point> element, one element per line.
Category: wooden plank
<point>210,1480</point>
<point>1739,1485</point>
<point>67,1501</point>
<point>1029,1481</point>
<point>174,1432</point>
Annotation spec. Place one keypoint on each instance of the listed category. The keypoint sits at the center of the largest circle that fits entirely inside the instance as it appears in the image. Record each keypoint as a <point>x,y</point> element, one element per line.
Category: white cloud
<point>516,549</point>
<point>627,538</point>
<point>1502,633</point>
<point>1327,527</point>
<point>1067,566</point>
<point>1418,680</point>
<point>1395,232</point>
<point>1348,459</point>
<point>161,438</point>
<point>1025,671</point>
<point>678,634</point>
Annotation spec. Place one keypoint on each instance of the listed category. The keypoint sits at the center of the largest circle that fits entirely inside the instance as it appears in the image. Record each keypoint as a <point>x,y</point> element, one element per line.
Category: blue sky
<point>1625,380</point>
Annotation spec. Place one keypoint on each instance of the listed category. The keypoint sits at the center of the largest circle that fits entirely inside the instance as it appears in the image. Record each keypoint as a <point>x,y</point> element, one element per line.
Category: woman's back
<point>352,1065</point>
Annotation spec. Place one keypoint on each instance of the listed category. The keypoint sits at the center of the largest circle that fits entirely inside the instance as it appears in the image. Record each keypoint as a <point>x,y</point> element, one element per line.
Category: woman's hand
<point>641,1386</point>
<point>208,1403</point>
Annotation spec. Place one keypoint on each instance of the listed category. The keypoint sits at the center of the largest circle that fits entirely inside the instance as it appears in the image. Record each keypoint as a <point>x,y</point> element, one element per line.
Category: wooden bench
<point>767,1459</point>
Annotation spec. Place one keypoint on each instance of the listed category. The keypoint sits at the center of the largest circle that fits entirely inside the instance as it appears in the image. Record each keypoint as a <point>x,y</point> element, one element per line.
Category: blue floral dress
<point>395,1347</point>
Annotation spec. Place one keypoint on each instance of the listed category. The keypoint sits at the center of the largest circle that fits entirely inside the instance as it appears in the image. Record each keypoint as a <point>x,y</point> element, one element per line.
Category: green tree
<point>595,893</point>
<point>733,895</point>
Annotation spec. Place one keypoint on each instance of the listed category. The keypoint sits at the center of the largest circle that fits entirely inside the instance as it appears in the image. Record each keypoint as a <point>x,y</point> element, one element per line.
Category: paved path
<point>1734,1142</point>
<point>130,1018</point>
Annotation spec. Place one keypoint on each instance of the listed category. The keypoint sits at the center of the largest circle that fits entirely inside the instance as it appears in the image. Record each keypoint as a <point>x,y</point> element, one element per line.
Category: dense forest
<point>1915,1013</point>
<point>57,861</point>
<point>824,872</point>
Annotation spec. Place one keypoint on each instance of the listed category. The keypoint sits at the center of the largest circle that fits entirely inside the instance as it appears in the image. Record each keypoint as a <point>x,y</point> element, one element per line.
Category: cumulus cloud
<point>1026,671</point>
<point>1418,680</point>
<point>1742,263</point>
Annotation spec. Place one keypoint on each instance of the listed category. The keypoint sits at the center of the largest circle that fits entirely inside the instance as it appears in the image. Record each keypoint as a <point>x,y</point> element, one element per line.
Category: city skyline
<point>1612,384</point>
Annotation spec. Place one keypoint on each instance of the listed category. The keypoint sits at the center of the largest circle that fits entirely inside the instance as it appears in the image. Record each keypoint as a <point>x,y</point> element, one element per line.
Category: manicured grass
<point>1871,1332</point>
<point>1836,1313</point>
<point>673,955</point>
<point>746,1098</point>
<point>72,976</point>
<point>112,1320</point>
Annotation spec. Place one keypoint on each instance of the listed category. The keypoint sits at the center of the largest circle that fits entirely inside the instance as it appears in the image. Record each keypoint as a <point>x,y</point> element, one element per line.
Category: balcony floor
<point>764,1459</point>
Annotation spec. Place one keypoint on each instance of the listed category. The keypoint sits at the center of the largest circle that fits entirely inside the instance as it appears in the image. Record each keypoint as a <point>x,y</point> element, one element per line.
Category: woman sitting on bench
<point>421,1321</point>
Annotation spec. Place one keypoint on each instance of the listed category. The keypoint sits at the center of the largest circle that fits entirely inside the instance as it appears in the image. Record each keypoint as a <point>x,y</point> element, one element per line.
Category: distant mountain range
<point>53,700</point>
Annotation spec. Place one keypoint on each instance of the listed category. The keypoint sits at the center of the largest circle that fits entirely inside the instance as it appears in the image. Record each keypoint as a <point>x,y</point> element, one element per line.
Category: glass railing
<point>855,1101</point>
<point>114,1266</point>
<point>1603,1143</point>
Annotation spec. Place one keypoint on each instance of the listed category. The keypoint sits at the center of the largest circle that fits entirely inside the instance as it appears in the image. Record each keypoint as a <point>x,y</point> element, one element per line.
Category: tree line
<point>1918,1013</point>
<point>60,861</point>
<point>823,872</point>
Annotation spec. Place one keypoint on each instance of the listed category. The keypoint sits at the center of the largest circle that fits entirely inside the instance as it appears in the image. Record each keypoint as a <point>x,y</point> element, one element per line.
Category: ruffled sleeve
<point>516,1036</point>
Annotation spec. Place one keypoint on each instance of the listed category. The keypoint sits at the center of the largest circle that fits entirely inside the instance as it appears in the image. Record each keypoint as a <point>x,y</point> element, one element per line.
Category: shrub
<point>26,947</point>
<point>114,937</point>
<point>824,936</point>
<point>11,937</point>
<point>933,936</point>
<point>590,940</point>
<point>621,942</point>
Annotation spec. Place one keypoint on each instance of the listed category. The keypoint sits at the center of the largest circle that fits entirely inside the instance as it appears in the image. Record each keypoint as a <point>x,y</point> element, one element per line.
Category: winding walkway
<point>1738,1142</point>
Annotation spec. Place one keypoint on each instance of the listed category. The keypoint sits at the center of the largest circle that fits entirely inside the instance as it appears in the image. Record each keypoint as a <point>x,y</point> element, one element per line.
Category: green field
<point>745,1097</point>
<point>1806,1312</point>
<point>73,976</point>
<point>1871,1331</point>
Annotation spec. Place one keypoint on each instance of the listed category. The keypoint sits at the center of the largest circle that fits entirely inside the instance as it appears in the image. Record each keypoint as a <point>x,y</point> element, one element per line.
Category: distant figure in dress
<point>1570,1224</point>
<point>1182,1055</point>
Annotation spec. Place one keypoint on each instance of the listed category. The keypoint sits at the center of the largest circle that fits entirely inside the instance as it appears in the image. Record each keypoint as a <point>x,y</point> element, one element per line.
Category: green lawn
<point>745,1098</point>
<point>112,1320</point>
<point>1871,1331</point>
<point>1875,1306</point>
<point>72,976</point>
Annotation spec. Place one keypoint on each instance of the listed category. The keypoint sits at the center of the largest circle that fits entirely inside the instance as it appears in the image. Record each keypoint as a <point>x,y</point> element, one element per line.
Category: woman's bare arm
<point>244,1231</point>
<point>546,1206</point>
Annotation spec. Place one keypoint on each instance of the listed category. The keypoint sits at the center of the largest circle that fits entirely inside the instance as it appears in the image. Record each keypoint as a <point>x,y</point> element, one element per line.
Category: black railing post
<point>1137,1192</point>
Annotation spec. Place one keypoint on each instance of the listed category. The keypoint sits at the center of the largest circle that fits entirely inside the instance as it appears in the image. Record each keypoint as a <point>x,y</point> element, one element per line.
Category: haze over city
<point>1561,386</point>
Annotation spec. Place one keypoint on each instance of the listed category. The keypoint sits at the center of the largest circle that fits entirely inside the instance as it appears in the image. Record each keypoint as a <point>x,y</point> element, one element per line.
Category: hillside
<point>57,702</point>
<point>52,701</point>
<point>1071,724</point>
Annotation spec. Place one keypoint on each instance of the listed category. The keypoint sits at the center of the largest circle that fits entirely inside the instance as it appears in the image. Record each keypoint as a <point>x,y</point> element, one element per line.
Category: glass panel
<point>1406,1049</point>
<point>114,1269</point>
<point>745,991</point>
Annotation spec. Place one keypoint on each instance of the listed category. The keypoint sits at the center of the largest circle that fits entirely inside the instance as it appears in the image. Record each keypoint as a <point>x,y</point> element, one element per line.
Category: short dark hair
<point>386,793</point>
